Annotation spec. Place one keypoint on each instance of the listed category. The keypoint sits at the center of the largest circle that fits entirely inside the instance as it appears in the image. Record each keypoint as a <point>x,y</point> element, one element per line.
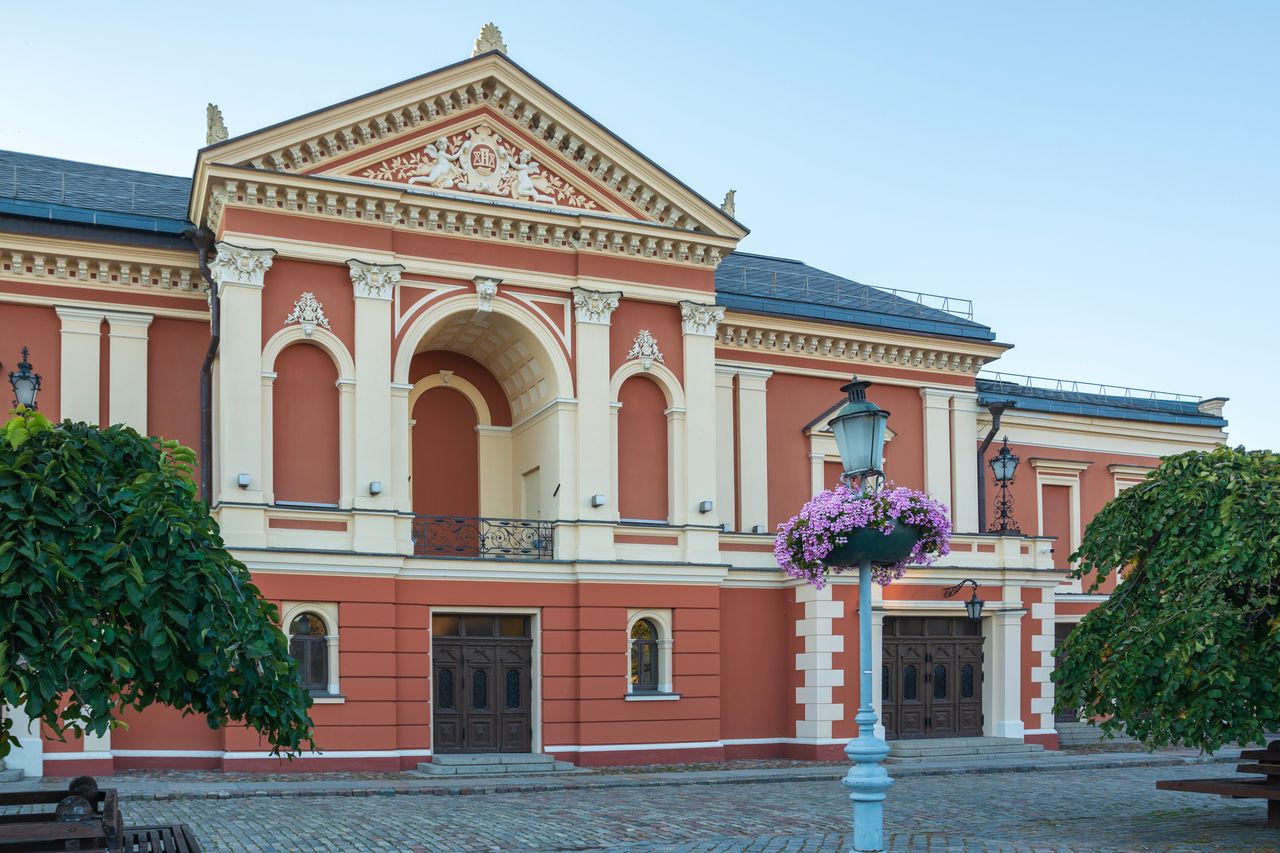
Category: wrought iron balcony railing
<point>483,538</point>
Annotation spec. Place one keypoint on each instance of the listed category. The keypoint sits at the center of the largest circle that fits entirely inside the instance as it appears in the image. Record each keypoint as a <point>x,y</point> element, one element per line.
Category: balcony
<point>483,538</point>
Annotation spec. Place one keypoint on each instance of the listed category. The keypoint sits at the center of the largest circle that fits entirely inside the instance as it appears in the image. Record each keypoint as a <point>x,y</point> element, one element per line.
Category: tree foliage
<point>1187,649</point>
<point>116,590</point>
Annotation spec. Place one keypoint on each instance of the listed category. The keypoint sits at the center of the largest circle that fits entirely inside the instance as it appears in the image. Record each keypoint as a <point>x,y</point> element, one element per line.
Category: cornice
<point>845,344</point>
<point>126,268</point>
<point>350,201</point>
<point>309,142</point>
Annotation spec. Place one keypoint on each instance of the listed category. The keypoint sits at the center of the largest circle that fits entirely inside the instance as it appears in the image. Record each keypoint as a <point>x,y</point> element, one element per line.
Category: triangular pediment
<point>483,129</point>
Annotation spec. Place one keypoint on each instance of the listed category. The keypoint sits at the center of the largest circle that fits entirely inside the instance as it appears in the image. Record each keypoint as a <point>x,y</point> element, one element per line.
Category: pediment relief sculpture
<point>478,160</point>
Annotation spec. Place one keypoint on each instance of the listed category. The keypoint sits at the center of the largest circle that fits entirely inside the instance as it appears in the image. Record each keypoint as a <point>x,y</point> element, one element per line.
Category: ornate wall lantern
<point>973,606</point>
<point>25,382</point>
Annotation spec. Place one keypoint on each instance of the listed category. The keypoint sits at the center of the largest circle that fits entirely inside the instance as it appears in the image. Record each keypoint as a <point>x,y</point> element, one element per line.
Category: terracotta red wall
<point>304,411</point>
<point>288,279</point>
<point>754,664</point>
<point>36,327</point>
<point>642,451</point>
<point>1057,521</point>
<point>446,457</point>
<point>175,351</point>
<point>433,361</point>
<point>662,321</point>
<point>793,401</point>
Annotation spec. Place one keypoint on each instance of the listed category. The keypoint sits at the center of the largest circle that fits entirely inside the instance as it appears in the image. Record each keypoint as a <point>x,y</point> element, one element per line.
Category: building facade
<point>503,422</point>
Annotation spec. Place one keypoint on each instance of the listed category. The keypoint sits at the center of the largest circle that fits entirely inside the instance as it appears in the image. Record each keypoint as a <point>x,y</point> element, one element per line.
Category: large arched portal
<point>486,403</point>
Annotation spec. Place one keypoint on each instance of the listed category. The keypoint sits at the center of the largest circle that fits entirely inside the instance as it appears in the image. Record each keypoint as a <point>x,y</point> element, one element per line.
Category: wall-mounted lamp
<point>973,607</point>
<point>25,382</point>
<point>706,506</point>
<point>242,481</point>
<point>757,528</point>
<point>375,488</point>
<point>597,501</point>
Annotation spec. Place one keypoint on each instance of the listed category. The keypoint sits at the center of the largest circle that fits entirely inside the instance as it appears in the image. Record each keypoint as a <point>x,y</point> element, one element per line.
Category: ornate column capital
<point>236,265</point>
<point>700,319</point>
<point>595,306</point>
<point>374,281</point>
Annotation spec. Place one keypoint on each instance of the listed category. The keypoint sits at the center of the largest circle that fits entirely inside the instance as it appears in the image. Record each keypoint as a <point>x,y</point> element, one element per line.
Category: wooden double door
<point>482,668</point>
<point>932,677</point>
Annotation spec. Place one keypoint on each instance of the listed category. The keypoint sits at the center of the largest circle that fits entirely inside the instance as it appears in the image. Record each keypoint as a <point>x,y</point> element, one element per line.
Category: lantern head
<point>859,430</point>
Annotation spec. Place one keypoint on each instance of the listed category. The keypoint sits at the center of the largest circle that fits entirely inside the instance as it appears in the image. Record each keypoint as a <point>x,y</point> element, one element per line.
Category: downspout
<point>202,238</point>
<point>997,411</point>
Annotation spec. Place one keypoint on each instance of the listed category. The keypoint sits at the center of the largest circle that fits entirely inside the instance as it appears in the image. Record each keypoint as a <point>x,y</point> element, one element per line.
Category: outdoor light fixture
<point>242,481</point>
<point>974,605</point>
<point>757,528</point>
<point>597,501</point>
<point>706,506</point>
<point>1003,466</point>
<point>25,382</point>
<point>375,488</point>
<point>859,430</point>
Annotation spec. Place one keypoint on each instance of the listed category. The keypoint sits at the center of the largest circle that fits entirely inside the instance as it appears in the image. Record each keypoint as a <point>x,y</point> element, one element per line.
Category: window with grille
<point>308,644</point>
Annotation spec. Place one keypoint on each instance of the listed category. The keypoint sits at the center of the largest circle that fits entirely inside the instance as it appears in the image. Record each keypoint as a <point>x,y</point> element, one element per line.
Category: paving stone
<point>1111,810</point>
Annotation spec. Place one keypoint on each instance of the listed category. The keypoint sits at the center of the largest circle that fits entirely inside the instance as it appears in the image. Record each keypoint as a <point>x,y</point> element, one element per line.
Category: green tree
<point>1186,651</point>
<point>116,590</point>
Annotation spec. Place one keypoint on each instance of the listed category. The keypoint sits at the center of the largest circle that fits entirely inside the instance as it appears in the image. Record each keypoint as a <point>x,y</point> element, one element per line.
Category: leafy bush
<point>1187,649</point>
<point>116,590</point>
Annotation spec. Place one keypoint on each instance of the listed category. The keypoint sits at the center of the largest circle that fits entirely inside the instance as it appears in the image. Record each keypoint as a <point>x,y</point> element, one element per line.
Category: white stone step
<point>493,764</point>
<point>918,751</point>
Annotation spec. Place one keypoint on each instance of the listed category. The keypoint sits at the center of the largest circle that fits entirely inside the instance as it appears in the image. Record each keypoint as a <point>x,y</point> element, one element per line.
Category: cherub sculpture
<point>443,173</point>
<point>529,182</point>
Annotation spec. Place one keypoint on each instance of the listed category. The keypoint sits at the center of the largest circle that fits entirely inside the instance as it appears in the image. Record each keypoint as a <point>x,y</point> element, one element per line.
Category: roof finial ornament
<point>490,39</point>
<point>727,205</point>
<point>215,127</point>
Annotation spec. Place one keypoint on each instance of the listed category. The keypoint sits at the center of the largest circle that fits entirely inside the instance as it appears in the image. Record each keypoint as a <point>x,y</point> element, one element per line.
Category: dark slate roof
<point>66,191</point>
<point>767,285</point>
<point>1134,406</point>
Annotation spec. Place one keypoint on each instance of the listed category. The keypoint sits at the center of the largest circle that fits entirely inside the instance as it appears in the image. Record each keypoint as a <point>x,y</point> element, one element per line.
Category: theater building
<point>503,422</point>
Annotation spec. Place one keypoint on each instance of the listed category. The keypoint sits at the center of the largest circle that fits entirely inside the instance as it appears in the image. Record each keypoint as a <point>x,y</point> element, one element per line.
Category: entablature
<point>1103,435</point>
<point>101,265</point>
<point>342,200</point>
<point>844,344</point>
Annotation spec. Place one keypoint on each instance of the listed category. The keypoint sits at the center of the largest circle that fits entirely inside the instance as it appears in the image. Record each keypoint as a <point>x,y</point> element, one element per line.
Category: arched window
<point>308,643</point>
<point>644,657</point>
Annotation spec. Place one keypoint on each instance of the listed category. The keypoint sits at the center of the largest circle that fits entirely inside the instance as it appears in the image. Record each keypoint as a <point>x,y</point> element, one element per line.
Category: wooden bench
<point>85,819</point>
<point>1265,786</point>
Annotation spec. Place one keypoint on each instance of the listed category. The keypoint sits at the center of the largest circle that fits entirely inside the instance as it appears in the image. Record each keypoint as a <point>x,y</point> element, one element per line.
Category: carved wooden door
<point>482,684</point>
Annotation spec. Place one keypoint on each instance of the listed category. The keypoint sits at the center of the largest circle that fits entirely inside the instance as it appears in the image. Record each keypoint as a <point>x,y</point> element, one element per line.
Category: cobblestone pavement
<point>1082,811</point>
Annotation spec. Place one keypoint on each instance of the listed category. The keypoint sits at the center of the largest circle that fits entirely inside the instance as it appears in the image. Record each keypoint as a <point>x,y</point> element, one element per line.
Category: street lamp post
<point>25,383</point>
<point>859,430</point>
<point>1003,466</point>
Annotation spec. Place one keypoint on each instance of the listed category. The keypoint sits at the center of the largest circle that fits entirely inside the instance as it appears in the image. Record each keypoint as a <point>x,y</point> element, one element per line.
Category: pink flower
<point>804,542</point>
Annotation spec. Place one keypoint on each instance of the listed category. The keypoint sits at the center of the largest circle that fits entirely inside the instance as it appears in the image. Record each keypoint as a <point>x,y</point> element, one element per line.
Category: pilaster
<point>753,448</point>
<point>699,323</point>
<point>81,356</point>
<point>726,475</point>
<point>964,461</point>
<point>239,275</point>
<point>374,287</point>
<point>937,443</point>
<point>127,371</point>
<point>1002,690</point>
<point>593,311</point>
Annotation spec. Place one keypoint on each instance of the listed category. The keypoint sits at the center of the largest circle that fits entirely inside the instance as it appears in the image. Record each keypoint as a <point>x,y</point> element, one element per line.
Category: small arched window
<point>308,644</point>
<point>644,656</point>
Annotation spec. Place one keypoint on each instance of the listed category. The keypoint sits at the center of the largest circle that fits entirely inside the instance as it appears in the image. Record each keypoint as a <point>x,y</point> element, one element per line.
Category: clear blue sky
<point>1101,178</point>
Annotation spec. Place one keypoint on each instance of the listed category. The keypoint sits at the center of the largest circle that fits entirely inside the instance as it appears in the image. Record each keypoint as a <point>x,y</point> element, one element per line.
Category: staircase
<point>961,750</point>
<point>497,763</point>
<point>1080,733</point>
<point>9,775</point>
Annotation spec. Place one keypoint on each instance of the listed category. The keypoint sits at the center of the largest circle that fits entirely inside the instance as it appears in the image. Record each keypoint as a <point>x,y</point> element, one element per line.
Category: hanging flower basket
<point>837,529</point>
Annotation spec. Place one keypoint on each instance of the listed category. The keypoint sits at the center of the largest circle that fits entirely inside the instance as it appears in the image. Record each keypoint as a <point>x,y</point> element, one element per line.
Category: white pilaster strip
<point>127,370</point>
<point>78,378</point>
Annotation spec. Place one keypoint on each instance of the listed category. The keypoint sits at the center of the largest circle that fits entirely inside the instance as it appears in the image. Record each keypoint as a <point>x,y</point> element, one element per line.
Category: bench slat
<point>1230,787</point>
